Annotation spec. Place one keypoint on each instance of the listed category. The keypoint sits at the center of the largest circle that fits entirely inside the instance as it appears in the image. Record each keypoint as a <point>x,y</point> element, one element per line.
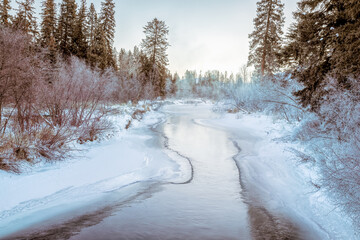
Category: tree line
<point>76,30</point>
<point>323,42</point>
<point>311,75</point>
<point>70,30</point>
<point>58,78</point>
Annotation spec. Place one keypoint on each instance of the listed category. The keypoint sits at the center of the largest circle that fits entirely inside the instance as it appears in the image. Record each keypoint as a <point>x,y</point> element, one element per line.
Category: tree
<point>48,31</point>
<point>52,51</point>
<point>66,27</point>
<point>244,73</point>
<point>5,16</point>
<point>100,50</point>
<point>107,22</point>
<point>48,24</point>
<point>80,32</point>
<point>20,73</point>
<point>92,24</point>
<point>25,19</point>
<point>113,59</point>
<point>324,41</point>
<point>154,46</point>
<point>173,85</point>
<point>265,40</point>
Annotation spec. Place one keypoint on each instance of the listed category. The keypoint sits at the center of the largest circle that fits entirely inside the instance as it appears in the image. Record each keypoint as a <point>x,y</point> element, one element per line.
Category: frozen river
<point>208,202</point>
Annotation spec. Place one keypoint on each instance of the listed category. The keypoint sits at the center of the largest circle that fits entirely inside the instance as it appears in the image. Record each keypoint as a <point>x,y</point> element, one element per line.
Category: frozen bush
<point>338,151</point>
<point>44,107</point>
<point>330,136</point>
<point>76,93</point>
<point>272,96</point>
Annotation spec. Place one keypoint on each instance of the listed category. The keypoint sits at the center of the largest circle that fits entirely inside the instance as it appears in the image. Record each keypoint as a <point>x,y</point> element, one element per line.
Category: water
<point>208,203</point>
<point>209,206</point>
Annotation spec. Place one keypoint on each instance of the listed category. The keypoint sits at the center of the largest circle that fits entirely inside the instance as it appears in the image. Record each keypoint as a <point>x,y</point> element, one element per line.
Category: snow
<point>274,174</point>
<point>99,167</point>
<point>277,178</point>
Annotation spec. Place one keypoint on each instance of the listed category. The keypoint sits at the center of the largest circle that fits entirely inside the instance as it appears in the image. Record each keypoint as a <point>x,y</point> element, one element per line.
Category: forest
<point>60,78</point>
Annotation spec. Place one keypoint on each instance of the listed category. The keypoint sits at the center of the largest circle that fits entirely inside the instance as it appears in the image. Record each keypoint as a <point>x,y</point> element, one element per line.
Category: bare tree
<point>244,73</point>
<point>19,74</point>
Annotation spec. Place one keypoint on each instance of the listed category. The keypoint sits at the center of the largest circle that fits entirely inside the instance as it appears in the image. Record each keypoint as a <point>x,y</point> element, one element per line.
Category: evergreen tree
<point>135,61</point>
<point>25,19</point>
<point>66,27</point>
<point>5,17</point>
<point>114,57</point>
<point>80,32</point>
<point>324,41</point>
<point>173,84</point>
<point>107,21</point>
<point>154,46</point>
<point>52,50</point>
<point>100,51</point>
<point>265,43</point>
<point>124,63</point>
<point>122,59</point>
<point>92,24</point>
<point>48,24</point>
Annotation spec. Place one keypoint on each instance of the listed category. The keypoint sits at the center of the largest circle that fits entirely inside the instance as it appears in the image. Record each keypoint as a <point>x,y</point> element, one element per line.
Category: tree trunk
<point>266,39</point>
<point>0,112</point>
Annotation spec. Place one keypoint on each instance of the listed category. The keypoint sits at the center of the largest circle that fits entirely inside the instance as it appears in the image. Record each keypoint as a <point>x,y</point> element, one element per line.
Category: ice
<point>100,167</point>
<point>277,179</point>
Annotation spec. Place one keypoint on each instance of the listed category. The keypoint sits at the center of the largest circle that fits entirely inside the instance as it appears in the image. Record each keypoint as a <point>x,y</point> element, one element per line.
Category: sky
<point>203,34</point>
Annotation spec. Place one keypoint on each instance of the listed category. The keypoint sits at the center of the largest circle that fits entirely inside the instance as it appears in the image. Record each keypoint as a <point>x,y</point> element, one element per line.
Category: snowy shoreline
<point>100,167</point>
<point>277,178</point>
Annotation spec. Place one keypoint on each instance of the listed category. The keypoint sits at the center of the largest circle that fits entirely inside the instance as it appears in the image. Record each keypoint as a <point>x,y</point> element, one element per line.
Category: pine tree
<point>5,8</point>
<point>346,37</point>
<point>154,46</point>
<point>48,24</point>
<point>173,85</point>
<point>265,43</point>
<point>80,32</point>
<point>107,21</point>
<point>52,48</point>
<point>25,19</point>
<point>100,48</point>
<point>114,57</point>
<point>66,27</point>
<point>122,59</point>
<point>324,41</point>
<point>134,62</point>
<point>124,63</point>
<point>92,24</point>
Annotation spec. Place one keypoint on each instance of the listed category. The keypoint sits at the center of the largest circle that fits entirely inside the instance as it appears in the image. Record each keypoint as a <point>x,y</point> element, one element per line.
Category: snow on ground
<point>99,167</point>
<point>277,178</point>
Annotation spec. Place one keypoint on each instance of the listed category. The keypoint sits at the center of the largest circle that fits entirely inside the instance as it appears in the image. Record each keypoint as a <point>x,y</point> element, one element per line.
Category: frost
<point>104,166</point>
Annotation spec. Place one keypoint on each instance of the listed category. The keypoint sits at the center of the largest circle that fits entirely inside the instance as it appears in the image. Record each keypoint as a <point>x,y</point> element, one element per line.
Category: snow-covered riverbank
<point>276,178</point>
<point>272,177</point>
<point>99,167</point>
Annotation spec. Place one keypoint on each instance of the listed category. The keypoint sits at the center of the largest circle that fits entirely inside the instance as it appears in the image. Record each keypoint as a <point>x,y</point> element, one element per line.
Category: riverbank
<point>277,179</point>
<point>95,168</point>
<point>277,189</point>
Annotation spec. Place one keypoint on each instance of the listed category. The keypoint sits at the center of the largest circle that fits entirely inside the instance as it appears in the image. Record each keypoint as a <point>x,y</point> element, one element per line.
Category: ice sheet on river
<point>276,177</point>
<point>127,158</point>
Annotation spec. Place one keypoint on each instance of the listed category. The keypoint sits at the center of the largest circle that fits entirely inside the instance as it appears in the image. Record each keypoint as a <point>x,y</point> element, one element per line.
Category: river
<point>208,202</point>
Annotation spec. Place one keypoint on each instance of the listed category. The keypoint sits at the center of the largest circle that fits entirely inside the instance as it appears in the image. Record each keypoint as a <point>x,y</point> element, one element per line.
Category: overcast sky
<point>203,34</point>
